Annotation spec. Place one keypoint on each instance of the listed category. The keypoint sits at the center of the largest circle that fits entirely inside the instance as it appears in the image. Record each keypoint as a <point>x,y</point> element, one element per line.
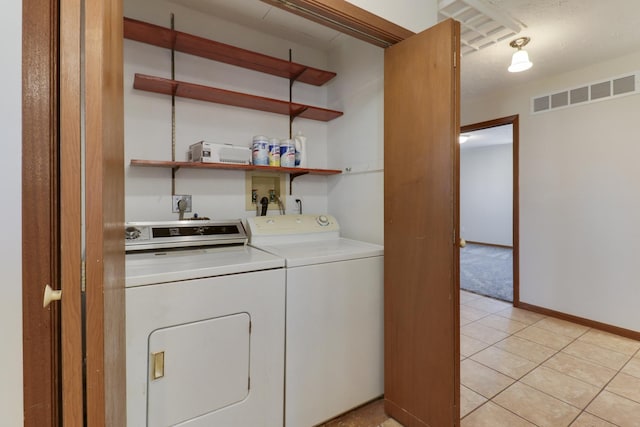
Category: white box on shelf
<point>213,152</point>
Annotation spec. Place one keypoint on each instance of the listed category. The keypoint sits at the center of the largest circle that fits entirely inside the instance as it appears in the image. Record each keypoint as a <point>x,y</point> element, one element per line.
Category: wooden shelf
<point>182,42</point>
<point>232,166</point>
<point>227,97</point>
<point>205,48</point>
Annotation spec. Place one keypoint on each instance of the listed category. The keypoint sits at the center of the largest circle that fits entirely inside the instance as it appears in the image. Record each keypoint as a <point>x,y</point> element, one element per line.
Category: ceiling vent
<point>481,24</point>
<point>597,91</point>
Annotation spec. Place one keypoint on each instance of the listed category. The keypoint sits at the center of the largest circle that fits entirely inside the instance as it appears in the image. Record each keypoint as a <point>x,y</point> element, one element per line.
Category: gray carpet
<point>487,270</point>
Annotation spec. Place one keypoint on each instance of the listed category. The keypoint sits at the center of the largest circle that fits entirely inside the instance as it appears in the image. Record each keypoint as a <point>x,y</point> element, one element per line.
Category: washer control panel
<point>323,221</point>
<point>177,234</point>
<point>292,225</point>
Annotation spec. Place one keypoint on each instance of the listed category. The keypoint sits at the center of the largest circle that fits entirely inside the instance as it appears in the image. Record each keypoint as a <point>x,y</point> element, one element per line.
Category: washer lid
<point>147,268</point>
<point>323,251</point>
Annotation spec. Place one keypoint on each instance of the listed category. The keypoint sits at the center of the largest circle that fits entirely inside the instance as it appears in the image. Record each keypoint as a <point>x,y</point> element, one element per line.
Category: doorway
<point>489,209</point>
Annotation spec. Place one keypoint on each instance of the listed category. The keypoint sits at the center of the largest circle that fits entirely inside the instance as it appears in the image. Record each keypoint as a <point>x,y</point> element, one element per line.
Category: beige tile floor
<point>520,368</point>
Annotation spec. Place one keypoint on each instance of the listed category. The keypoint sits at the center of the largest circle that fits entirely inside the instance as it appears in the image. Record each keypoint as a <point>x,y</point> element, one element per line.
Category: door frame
<point>515,122</point>
<point>107,328</point>
<point>347,18</point>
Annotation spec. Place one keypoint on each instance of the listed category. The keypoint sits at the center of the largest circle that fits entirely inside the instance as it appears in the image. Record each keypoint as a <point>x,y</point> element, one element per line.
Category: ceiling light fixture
<point>520,60</point>
<point>463,138</point>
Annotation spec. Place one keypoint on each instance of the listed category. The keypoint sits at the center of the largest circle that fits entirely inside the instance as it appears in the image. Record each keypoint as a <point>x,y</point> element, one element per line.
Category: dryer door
<point>197,368</point>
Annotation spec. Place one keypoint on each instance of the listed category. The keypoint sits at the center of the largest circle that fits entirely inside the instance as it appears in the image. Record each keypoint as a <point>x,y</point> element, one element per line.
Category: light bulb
<point>520,61</point>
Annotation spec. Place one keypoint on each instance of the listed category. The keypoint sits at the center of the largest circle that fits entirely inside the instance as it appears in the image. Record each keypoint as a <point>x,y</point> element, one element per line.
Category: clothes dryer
<point>205,326</point>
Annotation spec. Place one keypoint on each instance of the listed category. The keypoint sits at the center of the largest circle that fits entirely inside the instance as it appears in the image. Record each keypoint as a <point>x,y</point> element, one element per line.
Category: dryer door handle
<point>157,365</point>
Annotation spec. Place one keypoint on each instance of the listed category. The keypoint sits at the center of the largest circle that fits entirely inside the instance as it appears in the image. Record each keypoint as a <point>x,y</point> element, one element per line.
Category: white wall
<point>579,208</point>
<point>216,194</point>
<point>356,141</point>
<point>11,403</point>
<point>353,141</point>
<point>486,194</point>
<point>414,15</point>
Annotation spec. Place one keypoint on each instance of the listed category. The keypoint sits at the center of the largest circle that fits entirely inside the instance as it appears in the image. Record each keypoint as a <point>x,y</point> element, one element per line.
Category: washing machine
<point>334,315</point>
<point>205,326</point>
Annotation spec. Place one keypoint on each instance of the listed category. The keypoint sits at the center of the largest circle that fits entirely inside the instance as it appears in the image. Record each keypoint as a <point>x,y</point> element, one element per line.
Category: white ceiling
<point>486,137</point>
<point>268,19</point>
<point>565,35</point>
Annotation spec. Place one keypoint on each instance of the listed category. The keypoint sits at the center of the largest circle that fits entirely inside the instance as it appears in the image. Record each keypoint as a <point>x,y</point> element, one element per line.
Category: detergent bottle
<point>301,150</point>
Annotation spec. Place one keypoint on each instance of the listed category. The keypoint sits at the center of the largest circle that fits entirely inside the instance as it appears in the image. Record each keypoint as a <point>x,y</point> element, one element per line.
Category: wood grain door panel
<point>39,213</point>
<point>421,220</point>
<point>71,213</point>
<point>104,214</point>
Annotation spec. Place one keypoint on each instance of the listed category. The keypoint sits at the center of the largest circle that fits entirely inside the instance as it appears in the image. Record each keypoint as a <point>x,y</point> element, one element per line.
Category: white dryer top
<point>147,268</point>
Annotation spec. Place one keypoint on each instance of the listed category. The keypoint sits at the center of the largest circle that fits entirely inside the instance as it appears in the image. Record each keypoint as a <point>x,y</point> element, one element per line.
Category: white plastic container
<point>260,150</point>
<point>274,152</point>
<point>287,153</point>
<point>301,150</point>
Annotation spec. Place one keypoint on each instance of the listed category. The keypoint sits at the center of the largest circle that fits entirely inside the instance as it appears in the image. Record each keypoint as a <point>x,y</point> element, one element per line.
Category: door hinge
<point>455,52</point>
<point>83,276</point>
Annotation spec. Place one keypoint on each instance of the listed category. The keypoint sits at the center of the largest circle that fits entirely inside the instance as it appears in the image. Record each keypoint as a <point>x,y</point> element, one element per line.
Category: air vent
<point>592,92</point>
<point>600,90</point>
<point>624,85</point>
<point>541,104</point>
<point>481,24</point>
<point>579,95</point>
<point>559,99</point>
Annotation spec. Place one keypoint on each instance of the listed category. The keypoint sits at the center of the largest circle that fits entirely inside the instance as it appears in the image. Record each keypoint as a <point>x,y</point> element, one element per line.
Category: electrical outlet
<point>176,198</point>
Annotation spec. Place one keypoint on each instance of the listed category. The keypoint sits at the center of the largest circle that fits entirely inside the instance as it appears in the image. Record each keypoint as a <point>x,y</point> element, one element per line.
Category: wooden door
<point>70,213</point>
<point>39,213</point>
<point>92,213</point>
<point>104,214</point>
<point>73,194</point>
<point>421,180</point>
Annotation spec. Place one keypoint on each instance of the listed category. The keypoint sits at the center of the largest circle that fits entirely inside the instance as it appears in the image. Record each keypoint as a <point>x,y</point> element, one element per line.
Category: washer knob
<point>322,220</point>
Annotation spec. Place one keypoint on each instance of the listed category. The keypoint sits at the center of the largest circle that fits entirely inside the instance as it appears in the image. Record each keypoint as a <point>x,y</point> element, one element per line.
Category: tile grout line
<point>490,399</point>
<point>509,336</point>
<point>612,378</point>
<point>500,406</point>
<point>519,380</point>
<point>602,388</point>
<point>540,364</point>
